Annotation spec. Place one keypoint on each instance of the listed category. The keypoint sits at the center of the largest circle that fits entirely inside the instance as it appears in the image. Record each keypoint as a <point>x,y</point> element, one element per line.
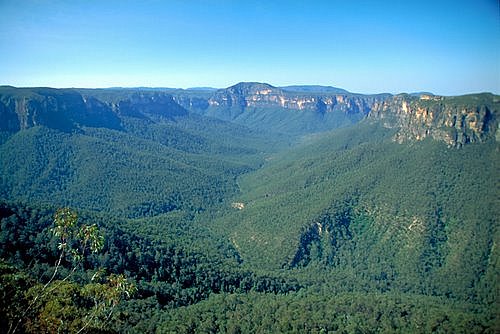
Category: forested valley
<point>176,211</point>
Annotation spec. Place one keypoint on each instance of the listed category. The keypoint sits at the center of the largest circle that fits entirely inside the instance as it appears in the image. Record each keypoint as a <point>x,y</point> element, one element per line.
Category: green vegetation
<point>59,303</point>
<point>324,312</point>
<point>218,228</point>
<point>99,169</point>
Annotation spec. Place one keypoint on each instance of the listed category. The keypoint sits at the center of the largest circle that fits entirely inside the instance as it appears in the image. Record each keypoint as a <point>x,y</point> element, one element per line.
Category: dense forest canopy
<point>248,209</point>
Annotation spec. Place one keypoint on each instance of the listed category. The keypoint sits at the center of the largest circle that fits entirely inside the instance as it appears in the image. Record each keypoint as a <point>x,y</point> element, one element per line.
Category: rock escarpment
<point>250,95</point>
<point>63,109</point>
<point>455,120</point>
<point>68,109</point>
<point>294,110</point>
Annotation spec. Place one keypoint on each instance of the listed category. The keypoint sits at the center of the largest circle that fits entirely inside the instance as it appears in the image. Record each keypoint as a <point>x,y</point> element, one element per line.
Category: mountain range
<point>294,110</point>
<point>257,208</point>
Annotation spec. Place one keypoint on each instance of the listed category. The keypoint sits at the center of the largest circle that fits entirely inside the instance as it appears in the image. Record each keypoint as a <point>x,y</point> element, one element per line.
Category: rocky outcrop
<point>261,95</point>
<point>286,110</point>
<point>191,102</point>
<point>149,104</point>
<point>68,109</point>
<point>325,236</point>
<point>62,109</point>
<point>454,120</point>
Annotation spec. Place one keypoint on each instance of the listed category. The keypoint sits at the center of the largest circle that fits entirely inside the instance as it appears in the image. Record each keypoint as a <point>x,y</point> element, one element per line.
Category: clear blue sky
<point>447,47</point>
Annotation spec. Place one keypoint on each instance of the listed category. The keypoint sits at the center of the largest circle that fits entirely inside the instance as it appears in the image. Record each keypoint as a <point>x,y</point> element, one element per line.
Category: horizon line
<point>203,87</point>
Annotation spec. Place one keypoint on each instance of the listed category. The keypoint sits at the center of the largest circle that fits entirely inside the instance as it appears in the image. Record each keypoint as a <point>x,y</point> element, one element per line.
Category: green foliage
<point>57,312</point>
<point>67,232</point>
<point>163,177</point>
<point>166,276</point>
<point>342,232</point>
<point>331,313</point>
<point>13,285</point>
<point>385,216</point>
<point>61,304</point>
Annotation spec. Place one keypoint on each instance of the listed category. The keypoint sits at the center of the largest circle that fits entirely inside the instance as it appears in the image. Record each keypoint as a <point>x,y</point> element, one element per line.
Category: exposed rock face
<point>192,102</point>
<point>260,95</point>
<point>60,109</point>
<point>454,120</point>
<point>262,106</point>
<point>151,104</point>
<point>67,109</point>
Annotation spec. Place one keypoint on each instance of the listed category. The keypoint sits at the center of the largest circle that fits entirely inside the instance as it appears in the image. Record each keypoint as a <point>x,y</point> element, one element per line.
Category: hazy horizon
<point>217,88</point>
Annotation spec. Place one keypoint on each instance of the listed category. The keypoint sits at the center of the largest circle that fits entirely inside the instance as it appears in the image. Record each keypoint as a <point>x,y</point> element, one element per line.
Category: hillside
<point>257,208</point>
<point>403,213</point>
<point>98,152</point>
<point>295,110</point>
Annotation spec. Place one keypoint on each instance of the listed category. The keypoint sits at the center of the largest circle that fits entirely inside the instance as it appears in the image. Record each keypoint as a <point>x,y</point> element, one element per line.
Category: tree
<point>61,303</point>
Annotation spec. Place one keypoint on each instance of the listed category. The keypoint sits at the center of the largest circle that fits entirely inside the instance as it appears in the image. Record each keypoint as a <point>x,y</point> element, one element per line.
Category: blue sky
<point>447,47</point>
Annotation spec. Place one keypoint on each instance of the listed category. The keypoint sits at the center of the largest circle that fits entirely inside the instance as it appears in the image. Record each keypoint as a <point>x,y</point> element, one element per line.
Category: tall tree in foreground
<point>63,302</point>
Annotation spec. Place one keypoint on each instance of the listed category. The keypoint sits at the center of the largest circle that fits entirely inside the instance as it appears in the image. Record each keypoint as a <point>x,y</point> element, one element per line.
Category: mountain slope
<point>396,216</point>
<point>128,152</point>
<point>295,110</point>
<point>455,120</point>
<point>100,170</point>
<point>358,202</point>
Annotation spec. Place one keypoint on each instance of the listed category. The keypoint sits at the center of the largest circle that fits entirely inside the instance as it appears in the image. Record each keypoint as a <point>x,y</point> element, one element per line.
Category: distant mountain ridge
<point>67,109</point>
<point>315,89</point>
<point>293,110</point>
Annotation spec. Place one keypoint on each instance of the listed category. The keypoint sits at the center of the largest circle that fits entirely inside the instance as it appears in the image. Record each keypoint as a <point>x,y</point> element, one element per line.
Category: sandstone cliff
<point>262,106</point>
<point>67,109</point>
<point>261,95</point>
<point>454,120</point>
<point>63,109</point>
